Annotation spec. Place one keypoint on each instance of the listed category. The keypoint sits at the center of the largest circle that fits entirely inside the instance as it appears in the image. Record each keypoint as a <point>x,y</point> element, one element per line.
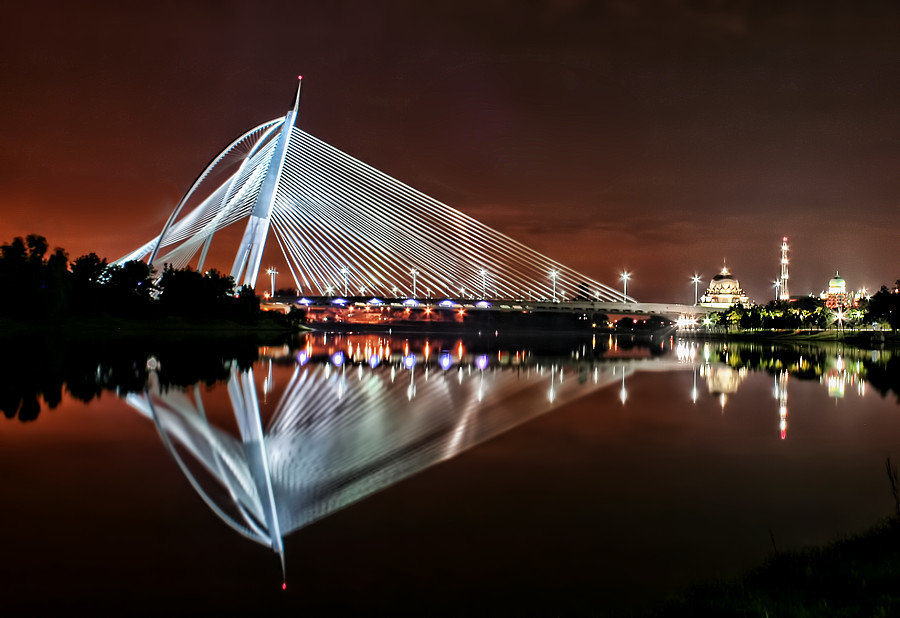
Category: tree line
<point>882,308</point>
<point>36,370</point>
<point>38,284</point>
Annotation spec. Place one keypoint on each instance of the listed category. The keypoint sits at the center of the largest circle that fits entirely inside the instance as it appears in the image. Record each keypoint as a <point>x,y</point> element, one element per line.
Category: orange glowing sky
<point>657,137</point>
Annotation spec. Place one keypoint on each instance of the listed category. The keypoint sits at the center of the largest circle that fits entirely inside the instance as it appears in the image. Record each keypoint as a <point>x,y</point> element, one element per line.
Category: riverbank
<point>854,337</point>
<point>856,576</point>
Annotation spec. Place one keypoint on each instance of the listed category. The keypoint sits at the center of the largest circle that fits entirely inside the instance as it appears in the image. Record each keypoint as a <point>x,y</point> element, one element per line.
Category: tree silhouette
<point>31,285</point>
<point>37,248</point>
<point>128,288</point>
<point>884,306</point>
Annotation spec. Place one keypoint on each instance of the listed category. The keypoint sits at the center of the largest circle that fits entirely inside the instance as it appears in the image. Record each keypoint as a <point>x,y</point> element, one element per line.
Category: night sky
<point>658,137</point>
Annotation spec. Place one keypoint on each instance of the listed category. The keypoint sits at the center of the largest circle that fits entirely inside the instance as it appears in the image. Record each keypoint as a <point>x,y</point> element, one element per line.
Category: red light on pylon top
<point>284,585</point>
<point>299,77</point>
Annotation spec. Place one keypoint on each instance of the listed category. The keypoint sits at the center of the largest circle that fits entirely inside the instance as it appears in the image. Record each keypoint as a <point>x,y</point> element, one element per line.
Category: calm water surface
<point>418,475</point>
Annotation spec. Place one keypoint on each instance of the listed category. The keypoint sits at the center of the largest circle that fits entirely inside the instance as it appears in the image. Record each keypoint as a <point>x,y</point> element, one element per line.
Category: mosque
<point>724,291</point>
<point>837,296</point>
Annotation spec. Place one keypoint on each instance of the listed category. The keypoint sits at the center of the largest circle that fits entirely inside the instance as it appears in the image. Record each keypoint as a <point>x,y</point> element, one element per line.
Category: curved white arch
<point>343,225</point>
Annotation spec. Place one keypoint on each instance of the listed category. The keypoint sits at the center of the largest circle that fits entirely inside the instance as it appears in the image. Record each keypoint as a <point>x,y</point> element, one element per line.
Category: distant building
<point>836,296</point>
<point>724,291</point>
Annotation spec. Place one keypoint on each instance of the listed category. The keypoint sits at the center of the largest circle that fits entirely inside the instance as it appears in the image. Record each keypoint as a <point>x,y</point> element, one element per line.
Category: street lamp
<point>483,283</point>
<point>696,281</point>
<point>414,272</point>
<point>777,284</point>
<point>553,275</point>
<point>346,274</point>
<point>625,276</point>
<point>272,272</point>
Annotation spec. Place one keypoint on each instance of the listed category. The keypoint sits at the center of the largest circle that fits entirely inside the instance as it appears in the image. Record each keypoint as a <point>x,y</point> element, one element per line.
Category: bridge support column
<point>249,255</point>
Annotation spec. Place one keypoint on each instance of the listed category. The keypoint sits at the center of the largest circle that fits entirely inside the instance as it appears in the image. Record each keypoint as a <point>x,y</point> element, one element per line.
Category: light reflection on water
<point>343,416</point>
<point>358,413</point>
<point>653,442</point>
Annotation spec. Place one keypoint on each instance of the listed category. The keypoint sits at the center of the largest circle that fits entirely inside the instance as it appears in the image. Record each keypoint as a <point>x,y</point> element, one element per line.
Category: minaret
<point>783,291</point>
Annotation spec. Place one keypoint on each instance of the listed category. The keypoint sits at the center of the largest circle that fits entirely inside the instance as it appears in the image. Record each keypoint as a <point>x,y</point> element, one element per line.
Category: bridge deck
<point>668,310</point>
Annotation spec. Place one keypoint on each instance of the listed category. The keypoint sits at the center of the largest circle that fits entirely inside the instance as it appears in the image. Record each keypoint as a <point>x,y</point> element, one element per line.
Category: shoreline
<point>114,327</point>
<point>852,337</point>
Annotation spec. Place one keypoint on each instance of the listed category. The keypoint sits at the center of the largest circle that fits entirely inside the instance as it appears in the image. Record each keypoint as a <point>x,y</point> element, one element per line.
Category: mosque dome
<point>724,283</point>
<point>724,290</point>
<point>837,285</point>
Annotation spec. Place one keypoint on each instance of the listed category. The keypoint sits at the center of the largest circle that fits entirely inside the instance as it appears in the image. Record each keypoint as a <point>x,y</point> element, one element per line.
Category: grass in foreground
<point>858,576</point>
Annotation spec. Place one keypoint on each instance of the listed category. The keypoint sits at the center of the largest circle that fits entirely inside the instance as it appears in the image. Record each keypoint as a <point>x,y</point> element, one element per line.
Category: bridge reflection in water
<point>358,414</point>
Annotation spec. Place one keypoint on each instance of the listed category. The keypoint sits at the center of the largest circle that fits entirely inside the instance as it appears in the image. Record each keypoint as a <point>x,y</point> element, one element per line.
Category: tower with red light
<point>783,291</point>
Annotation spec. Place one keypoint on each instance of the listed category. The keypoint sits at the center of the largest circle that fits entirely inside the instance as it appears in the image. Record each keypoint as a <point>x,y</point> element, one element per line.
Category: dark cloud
<point>669,134</point>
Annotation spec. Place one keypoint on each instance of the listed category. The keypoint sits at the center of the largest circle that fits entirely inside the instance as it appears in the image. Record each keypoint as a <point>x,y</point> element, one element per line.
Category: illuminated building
<point>836,296</point>
<point>723,291</point>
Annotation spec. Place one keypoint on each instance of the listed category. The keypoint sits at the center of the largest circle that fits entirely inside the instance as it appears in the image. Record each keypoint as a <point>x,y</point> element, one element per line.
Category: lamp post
<point>483,283</point>
<point>414,272</point>
<point>625,276</point>
<point>346,273</point>
<point>553,275</point>
<point>777,284</point>
<point>696,281</point>
<point>272,272</point>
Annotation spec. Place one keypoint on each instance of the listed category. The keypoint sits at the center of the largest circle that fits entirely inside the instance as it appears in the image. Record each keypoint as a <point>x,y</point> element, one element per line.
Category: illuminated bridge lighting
<point>341,224</point>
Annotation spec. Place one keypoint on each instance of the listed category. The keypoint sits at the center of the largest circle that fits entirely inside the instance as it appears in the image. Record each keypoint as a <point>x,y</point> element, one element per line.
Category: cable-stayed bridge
<point>345,227</point>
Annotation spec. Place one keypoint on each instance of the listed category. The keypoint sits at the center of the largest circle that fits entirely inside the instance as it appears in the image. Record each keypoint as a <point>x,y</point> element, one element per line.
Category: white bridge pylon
<point>346,228</point>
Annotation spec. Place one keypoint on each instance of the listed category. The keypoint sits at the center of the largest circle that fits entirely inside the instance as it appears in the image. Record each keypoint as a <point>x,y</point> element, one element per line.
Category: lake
<point>414,474</point>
